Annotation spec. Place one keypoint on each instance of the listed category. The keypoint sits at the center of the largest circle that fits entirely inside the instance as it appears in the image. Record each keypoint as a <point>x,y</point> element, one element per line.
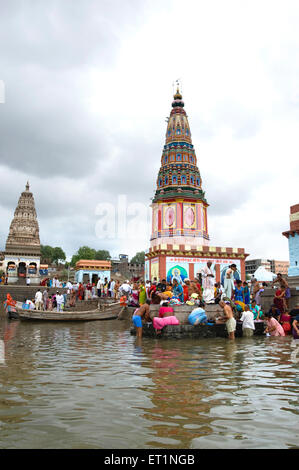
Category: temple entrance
<point>94,279</point>
<point>85,278</point>
<point>22,270</point>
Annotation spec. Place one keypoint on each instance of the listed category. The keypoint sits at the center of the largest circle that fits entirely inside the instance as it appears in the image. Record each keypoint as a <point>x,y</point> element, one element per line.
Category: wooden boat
<point>109,312</point>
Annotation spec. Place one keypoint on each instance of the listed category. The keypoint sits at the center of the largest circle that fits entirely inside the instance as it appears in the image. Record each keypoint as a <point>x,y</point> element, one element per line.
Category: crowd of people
<point>239,300</point>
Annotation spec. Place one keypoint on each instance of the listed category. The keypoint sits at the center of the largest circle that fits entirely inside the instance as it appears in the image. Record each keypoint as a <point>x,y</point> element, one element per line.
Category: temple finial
<point>27,186</point>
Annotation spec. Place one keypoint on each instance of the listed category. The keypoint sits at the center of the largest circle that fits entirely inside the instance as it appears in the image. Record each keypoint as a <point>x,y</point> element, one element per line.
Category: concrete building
<point>92,270</point>
<point>293,238</point>
<point>275,266</point>
<point>126,269</point>
<point>251,265</point>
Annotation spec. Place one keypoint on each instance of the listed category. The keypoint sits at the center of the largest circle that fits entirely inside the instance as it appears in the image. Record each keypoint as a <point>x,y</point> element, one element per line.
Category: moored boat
<point>109,312</point>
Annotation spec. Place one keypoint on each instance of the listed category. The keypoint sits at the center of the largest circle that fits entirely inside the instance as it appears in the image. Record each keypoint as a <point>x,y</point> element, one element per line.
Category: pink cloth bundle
<point>159,323</point>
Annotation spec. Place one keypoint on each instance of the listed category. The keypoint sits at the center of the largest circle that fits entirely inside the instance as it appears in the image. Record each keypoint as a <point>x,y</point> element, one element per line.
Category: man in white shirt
<point>248,322</point>
<point>111,288</point>
<point>69,287</point>
<point>125,289</point>
<point>28,281</point>
<point>59,301</point>
<point>38,300</point>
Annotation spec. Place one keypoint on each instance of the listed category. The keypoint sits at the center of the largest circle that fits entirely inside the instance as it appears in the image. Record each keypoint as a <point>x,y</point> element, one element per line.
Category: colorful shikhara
<point>179,205</point>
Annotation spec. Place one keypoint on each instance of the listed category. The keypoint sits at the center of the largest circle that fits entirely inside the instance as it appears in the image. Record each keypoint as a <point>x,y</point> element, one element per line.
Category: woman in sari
<point>273,326</point>
<point>80,292</point>
<point>166,317</point>
<point>279,299</point>
<point>73,298</point>
<point>142,293</point>
<point>9,304</point>
<point>285,321</point>
<point>186,287</point>
<point>239,292</point>
<point>295,325</point>
<point>246,293</point>
<point>135,295</point>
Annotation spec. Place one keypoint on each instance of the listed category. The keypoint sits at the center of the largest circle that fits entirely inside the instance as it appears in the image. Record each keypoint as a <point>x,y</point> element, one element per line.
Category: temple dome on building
<point>22,249</point>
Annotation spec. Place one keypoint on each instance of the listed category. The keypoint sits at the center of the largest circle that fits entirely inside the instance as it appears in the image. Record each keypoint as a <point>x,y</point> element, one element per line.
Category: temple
<point>22,250</point>
<point>180,242</point>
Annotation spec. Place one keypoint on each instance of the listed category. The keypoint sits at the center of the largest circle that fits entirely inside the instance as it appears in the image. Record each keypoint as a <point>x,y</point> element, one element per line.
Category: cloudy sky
<point>88,85</point>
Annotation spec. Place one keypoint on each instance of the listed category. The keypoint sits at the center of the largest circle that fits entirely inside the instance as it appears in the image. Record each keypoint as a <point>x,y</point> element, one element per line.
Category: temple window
<point>183,179</point>
<point>179,157</point>
<point>174,180</point>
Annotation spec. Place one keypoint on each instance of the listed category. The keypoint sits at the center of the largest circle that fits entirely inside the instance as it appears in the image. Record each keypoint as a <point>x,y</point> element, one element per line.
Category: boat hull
<point>109,313</point>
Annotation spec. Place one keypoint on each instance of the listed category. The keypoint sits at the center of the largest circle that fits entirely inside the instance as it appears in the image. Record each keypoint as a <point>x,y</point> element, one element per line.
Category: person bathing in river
<point>166,317</point>
<point>140,313</point>
<point>273,326</point>
<point>229,317</point>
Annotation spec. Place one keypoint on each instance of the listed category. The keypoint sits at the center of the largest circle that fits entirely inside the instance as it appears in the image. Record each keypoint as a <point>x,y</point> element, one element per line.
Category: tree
<point>51,255</point>
<point>58,255</point>
<point>102,254</point>
<point>139,258</point>
<point>85,252</point>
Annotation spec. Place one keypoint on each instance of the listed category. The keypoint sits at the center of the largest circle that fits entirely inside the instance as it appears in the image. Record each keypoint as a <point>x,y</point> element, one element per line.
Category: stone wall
<point>20,292</point>
<point>268,295</point>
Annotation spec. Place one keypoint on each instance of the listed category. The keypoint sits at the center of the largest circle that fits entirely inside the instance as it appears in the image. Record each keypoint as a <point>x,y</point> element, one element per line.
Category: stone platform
<point>199,331</point>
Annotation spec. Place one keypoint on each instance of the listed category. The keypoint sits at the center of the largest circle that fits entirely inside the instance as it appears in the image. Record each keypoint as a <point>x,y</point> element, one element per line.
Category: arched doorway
<point>22,269</point>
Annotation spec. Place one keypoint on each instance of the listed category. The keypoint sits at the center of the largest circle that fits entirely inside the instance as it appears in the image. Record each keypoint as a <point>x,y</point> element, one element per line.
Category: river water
<point>91,385</point>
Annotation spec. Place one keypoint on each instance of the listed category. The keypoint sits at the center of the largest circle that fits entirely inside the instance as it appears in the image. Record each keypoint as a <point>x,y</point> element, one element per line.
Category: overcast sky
<point>88,85</point>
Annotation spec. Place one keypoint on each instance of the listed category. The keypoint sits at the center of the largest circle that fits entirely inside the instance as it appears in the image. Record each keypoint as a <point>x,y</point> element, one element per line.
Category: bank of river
<point>91,385</point>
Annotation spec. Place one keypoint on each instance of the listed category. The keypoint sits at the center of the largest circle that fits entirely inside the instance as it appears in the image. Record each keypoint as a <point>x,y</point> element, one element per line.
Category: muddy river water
<point>91,385</point>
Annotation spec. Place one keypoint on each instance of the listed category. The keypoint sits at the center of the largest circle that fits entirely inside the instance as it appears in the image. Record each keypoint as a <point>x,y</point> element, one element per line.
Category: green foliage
<point>139,258</point>
<point>85,252</point>
<point>51,254</point>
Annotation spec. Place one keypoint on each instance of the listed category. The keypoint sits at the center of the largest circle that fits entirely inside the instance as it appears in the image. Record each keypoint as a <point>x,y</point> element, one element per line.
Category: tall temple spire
<point>24,230</point>
<point>179,204</point>
<point>22,249</point>
<point>179,171</point>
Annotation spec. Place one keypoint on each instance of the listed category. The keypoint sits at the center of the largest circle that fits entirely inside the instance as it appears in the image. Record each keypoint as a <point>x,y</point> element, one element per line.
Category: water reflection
<point>93,385</point>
